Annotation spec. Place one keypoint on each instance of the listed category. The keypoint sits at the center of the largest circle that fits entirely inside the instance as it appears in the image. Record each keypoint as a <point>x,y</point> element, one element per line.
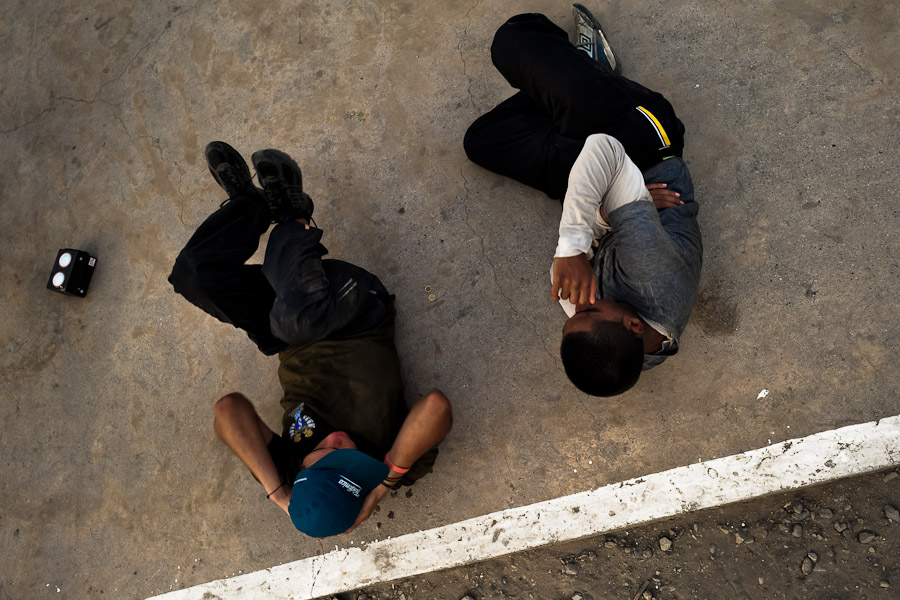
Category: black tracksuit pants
<point>293,298</point>
<point>535,136</point>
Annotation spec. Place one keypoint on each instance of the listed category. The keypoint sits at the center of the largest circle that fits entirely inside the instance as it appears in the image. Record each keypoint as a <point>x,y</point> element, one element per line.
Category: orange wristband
<point>393,466</point>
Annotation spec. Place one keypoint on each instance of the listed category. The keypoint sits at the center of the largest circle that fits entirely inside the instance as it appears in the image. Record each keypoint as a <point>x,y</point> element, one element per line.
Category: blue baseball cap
<point>328,496</point>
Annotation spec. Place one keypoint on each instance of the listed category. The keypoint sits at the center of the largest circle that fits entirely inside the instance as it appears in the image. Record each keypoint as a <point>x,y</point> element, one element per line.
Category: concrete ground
<point>114,484</point>
<point>836,542</point>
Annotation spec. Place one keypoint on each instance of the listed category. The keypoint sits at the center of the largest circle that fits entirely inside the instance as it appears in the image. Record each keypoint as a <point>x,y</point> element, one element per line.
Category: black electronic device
<point>72,272</point>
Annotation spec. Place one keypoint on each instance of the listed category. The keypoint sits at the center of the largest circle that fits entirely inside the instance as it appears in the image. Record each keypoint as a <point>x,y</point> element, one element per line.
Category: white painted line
<point>789,465</point>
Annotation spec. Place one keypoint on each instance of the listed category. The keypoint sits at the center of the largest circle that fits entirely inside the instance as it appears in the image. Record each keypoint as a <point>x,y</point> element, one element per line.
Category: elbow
<point>229,409</point>
<point>439,405</point>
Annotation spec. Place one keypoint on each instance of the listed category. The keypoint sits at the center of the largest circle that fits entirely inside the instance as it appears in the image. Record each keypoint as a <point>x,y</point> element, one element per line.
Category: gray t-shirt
<point>651,260</point>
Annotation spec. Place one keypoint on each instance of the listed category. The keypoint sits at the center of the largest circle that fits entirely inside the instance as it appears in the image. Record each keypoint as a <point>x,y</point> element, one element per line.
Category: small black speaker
<point>72,272</point>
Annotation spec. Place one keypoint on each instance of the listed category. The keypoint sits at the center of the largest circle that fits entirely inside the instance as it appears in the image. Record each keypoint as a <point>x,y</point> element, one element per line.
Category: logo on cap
<point>349,486</point>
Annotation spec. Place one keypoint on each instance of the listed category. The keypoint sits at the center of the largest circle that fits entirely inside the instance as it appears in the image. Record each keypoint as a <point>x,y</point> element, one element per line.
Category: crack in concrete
<point>462,57</point>
<point>864,357</point>
<point>99,91</point>
<point>155,142</point>
<point>493,267</point>
<point>143,48</point>
<point>861,68</point>
<point>509,503</point>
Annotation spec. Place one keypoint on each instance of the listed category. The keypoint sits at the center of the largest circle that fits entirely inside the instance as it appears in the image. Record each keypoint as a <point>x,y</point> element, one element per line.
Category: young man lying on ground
<point>332,324</point>
<point>627,265</point>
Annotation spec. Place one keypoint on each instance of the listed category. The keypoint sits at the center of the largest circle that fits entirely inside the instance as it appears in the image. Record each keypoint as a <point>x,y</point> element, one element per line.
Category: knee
<point>230,407</point>
<point>509,37</point>
<point>470,141</point>
<point>477,141</point>
<point>190,280</point>
<point>184,274</point>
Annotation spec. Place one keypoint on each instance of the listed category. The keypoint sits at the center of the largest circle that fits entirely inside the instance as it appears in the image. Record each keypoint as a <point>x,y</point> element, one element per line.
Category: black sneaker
<point>589,38</point>
<point>282,184</point>
<point>229,169</point>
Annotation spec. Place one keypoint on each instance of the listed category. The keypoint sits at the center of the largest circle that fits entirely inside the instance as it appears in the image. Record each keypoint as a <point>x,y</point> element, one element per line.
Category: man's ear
<point>634,325</point>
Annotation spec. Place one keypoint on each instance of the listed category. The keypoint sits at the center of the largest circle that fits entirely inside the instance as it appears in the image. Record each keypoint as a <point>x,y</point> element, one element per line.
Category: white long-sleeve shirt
<point>602,176</point>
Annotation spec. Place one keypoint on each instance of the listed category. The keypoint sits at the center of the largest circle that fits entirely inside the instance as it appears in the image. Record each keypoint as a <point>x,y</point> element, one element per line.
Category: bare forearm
<point>428,422</point>
<point>238,425</point>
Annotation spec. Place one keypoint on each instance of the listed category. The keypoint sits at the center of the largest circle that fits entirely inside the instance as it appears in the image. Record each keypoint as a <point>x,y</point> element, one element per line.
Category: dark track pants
<point>535,136</point>
<point>294,297</point>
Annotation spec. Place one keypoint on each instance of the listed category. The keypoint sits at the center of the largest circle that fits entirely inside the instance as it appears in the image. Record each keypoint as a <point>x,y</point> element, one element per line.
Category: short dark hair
<point>603,361</point>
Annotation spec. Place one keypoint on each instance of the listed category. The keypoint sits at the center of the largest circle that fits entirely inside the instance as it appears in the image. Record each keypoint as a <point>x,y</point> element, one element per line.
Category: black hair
<point>604,361</point>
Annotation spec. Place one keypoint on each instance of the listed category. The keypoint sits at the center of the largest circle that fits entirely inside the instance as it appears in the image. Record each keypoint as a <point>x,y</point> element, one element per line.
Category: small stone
<point>885,583</point>
<point>797,531</point>
<point>806,567</point>
<point>570,569</point>
<point>891,476</point>
<point>402,596</point>
<point>840,526</point>
<point>577,596</point>
<point>609,544</point>
<point>826,513</point>
<point>812,556</point>
<point>802,515</point>
<point>712,548</point>
<point>761,581</point>
<point>797,506</point>
<point>467,598</point>
<point>892,513</point>
<point>871,549</point>
<point>665,544</point>
<point>647,553</point>
<point>648,595</point>
<point>784,528</point>
<point>865,536</point>
<point>740,537</point>
<point>724,529</point>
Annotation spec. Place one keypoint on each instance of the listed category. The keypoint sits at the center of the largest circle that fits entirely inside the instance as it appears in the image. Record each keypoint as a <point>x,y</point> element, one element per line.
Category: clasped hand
<point>574,280</point>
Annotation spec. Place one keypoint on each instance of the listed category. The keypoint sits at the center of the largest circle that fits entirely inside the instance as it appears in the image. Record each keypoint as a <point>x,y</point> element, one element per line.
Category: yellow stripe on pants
<point>660,131</point>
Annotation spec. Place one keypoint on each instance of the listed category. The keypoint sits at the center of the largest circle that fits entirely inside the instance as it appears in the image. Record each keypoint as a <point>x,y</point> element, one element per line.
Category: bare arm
<point>428,422</point>
<point>238,425</point>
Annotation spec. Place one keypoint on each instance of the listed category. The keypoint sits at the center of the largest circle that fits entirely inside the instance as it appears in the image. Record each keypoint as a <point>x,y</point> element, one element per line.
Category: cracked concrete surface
<point>114,481</point>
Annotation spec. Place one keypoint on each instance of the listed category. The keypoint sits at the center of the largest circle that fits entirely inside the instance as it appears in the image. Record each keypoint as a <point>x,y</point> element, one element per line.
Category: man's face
<point>333,441</point>
<point>604,309</point>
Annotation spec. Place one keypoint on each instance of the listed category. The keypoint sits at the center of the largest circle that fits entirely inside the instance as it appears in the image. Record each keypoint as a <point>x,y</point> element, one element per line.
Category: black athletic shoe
<point>589,38</point>
<point>229,169</point>
<point>282,184</point>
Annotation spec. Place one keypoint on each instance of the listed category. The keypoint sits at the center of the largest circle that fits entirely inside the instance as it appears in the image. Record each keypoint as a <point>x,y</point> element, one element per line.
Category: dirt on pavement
<point>835,542</point>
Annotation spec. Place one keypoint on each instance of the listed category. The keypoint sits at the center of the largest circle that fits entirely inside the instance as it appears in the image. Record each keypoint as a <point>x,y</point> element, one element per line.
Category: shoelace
<point>276,189</point>
<point>229,176</point>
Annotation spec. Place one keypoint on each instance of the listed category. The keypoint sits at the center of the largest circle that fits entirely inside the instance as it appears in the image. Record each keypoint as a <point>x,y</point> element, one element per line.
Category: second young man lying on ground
<point>627,265</point>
